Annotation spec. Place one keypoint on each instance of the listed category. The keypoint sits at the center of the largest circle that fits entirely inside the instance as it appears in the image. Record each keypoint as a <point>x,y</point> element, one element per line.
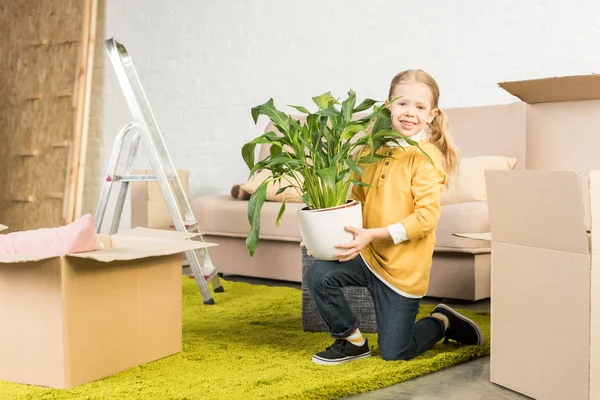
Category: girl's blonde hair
<point>439,128</point>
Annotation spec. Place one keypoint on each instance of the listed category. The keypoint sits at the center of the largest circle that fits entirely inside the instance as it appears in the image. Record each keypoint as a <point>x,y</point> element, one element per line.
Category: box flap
<point>485,236</point>
<point>157,234</point>
<point>21,258</point>
<point>594,183</point>
<point>132,248</point>
<point>547,90</point>
<point>537,208</point>
<point>595,283</point>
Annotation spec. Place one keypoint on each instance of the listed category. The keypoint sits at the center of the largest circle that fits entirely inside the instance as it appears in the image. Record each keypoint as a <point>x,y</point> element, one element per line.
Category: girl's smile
<point>413,108</point>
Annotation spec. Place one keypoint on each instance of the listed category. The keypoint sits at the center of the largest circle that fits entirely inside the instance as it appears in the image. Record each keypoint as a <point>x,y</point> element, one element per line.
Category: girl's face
<point>412,110</point>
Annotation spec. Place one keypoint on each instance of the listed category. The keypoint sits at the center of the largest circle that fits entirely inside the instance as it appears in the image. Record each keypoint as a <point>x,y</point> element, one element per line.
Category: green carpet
<point>250,345</point>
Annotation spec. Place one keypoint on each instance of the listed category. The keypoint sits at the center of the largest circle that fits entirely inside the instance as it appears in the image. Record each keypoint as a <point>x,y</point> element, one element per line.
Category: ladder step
<point>137,178</point>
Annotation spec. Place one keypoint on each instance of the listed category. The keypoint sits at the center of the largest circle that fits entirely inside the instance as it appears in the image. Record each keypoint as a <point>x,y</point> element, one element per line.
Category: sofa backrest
<point>497,130</point>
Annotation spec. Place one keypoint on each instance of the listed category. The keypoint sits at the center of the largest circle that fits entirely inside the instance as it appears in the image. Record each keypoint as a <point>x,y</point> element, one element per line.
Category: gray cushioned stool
<point>359,298</point>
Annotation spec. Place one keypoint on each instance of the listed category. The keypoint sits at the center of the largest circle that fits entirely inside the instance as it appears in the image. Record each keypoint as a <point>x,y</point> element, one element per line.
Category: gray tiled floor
<point>468,381</point>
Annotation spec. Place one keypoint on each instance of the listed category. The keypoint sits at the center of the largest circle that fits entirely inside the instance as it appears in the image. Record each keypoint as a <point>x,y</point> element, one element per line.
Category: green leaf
<point>329,145</point>
<point>364,105</point>
<point>254,207</point>
<point>371,159</point>
<point>275,150</point>
<point>281,190</point>
<point>292,162</point>
<point>390,133</point>
<point>328,112</point>
<point>324,101</point>
<point>348,105</point>
<point>301,109</point>
<point>351,130</point>
<point>306,200</point>
<point>311,122</point>
<point>342,174</point>
<point>328,176</point>
<point>380,117</point>
<point>371,144</point>
<point>280,214</point>
<point>272,164</point>
<point>359,183</point>
<point>317,155</point>
<point>383,120</point>
<point>393,134</point>
<point>354,167</point>
<point>392,101</point>
<point>282,121</point>
<point>322,128</point>
<point>249,148</point>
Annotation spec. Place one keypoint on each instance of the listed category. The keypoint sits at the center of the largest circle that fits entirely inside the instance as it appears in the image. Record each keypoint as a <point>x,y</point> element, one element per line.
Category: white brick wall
<point>204,64</point>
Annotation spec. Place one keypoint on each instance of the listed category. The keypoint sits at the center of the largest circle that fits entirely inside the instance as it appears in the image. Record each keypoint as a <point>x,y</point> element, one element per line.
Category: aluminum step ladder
<point>144,129</point>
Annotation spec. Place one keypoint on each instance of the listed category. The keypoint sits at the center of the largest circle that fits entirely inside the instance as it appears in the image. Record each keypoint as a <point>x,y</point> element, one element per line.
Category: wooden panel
<point>39,59</point>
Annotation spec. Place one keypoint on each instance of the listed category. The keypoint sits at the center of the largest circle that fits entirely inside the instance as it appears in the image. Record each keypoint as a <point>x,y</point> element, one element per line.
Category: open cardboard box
<point>562,124</point>
<point>81,317</point>
<point>545,294</point>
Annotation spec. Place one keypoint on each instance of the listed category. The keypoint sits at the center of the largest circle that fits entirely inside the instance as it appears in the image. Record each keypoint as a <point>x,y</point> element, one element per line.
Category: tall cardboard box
<point>81,317</point>
<point>545,302</point>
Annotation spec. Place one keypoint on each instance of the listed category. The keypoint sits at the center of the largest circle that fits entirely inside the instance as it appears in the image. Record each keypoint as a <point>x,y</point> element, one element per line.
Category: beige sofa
<point>461,267</point>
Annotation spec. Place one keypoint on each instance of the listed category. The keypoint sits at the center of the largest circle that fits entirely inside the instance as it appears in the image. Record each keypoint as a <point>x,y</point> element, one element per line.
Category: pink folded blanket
<point>77,237</point>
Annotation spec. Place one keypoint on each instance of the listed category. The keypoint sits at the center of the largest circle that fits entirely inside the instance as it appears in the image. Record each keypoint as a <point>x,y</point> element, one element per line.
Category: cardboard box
<point>148,208</point>
<point>81,317</point>
<point>545,302</point>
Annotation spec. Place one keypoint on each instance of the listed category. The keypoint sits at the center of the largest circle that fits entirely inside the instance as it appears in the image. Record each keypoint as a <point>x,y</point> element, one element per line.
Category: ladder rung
<point>138,178</point>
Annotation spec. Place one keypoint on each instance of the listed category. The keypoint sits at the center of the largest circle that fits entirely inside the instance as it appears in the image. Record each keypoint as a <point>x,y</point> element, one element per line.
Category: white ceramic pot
<point>323,229</point>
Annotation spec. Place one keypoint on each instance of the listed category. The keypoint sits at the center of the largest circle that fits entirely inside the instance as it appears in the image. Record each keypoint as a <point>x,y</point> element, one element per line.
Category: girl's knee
<point>316,274</point>
<point>391,354</point>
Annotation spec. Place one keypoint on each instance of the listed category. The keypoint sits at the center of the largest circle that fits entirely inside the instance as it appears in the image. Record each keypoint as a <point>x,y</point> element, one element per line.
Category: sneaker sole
<point>324,361</point>
<point>480,338</point>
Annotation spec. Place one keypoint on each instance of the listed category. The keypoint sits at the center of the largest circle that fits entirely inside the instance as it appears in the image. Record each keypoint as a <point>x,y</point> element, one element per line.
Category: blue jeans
<point>400,336</point>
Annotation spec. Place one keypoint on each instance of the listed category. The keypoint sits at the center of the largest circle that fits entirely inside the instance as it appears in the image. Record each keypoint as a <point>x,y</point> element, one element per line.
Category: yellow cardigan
<point>406,188</point>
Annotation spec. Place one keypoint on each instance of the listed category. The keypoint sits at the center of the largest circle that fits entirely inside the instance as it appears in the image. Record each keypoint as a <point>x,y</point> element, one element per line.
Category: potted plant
<point>319,159</point>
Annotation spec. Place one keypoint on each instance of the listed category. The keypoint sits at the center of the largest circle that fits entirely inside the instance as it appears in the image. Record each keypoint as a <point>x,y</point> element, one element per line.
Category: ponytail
<point>439,132</point>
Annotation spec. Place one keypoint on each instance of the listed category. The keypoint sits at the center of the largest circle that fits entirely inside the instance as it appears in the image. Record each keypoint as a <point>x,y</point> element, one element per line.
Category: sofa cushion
<point>469,185</point>
<point>462,218</point>
<point>273,187</point>
<point>222,215</point>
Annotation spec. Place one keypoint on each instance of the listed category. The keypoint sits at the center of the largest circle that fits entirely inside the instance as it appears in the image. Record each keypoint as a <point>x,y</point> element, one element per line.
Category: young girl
<point>392,254</point>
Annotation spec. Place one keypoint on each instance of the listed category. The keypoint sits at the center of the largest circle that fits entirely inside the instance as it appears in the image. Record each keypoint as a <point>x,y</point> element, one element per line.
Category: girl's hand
<point>362,237</point>
<point>303,246</point>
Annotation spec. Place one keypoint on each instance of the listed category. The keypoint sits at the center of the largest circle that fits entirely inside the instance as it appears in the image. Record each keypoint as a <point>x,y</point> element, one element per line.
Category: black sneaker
<point>342,351</point>
<point>461,328</point>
